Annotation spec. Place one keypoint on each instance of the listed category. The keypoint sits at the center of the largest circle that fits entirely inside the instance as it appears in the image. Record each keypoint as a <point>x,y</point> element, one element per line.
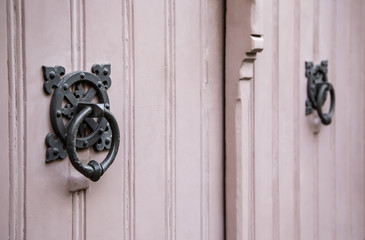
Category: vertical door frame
<point>244,39</point>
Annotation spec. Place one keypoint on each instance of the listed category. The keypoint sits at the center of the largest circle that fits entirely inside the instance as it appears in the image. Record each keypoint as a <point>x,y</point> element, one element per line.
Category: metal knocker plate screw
<point>72,94</point>
<point>317,89</point>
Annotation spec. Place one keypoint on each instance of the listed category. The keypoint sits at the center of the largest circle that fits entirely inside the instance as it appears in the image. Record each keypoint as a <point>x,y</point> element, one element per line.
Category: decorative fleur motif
<point>103,72</point>
<point>308,107</point>
<point>79,92</point>
<point>105,139</point>
<point>52,76</point>
<point>308,69</point>
<point>55,149</point>
<point>68,111</point>
<point>324,65</point>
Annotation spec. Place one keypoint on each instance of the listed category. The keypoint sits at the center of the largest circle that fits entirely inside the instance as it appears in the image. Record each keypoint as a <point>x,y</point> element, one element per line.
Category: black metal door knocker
<point>317,89</point>
<point>78,99</point>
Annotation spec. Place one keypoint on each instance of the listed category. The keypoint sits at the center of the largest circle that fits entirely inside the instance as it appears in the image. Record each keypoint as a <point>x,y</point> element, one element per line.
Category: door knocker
<point>80,117</point>
<point>317,89</point>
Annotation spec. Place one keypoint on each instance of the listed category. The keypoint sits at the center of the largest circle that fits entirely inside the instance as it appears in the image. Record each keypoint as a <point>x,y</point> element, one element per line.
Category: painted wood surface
<point>299,179</point>
<point>167,96</point>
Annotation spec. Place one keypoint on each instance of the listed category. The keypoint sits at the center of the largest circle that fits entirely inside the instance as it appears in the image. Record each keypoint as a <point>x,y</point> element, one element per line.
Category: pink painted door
<point>167,97</point>
<point>288,175</point>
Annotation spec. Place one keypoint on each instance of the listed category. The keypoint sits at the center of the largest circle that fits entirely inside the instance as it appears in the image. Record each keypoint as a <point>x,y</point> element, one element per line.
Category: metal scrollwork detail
<point>317,89</point>
<point>80,117</point>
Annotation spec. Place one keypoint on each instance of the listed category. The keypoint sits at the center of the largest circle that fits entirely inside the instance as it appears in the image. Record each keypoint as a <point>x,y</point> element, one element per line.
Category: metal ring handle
<point>326,118</point>
<point>93,170</point>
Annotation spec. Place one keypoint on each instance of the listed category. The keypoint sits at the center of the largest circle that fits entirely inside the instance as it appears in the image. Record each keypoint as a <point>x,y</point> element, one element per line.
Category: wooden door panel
<point>150,125</point>
<point>189,121</point>
<point>167,96</point>
<point>5,119</point>
<point>45,40</point>
<point>102,42</point>
<point>326,154</point>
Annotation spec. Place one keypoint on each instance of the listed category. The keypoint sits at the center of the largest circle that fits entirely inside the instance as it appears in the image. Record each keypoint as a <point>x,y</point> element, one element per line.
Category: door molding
<point>244,39</point>
<point>16,121</point>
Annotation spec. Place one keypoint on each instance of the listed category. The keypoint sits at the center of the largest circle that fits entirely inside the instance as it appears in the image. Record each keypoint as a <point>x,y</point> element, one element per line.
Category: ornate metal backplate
<point>316,76</point>
<point>68,91</point>
<point>317,89</point>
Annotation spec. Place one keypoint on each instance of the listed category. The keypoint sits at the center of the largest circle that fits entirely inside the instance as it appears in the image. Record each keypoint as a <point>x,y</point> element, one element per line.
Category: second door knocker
<point>78,99</point>
<point>317,89</point>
